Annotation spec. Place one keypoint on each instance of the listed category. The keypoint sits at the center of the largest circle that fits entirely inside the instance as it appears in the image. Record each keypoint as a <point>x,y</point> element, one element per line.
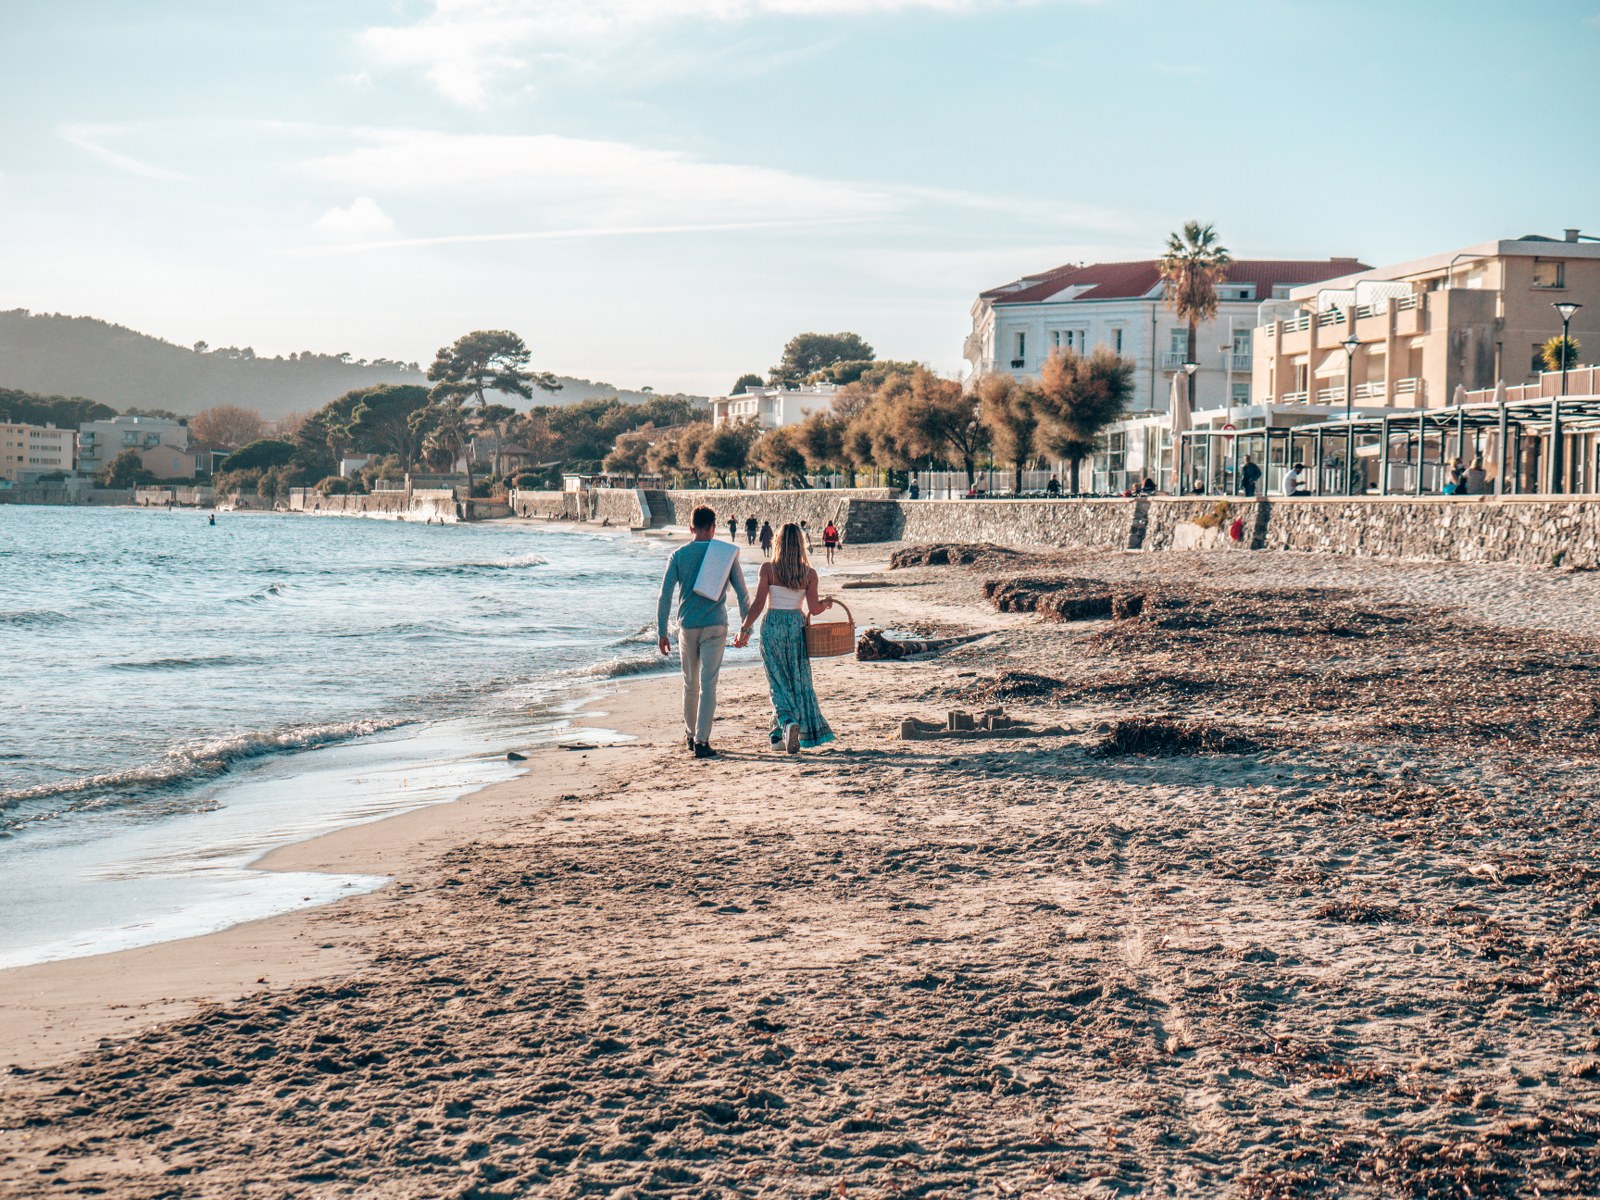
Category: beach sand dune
<point>1358,956</point>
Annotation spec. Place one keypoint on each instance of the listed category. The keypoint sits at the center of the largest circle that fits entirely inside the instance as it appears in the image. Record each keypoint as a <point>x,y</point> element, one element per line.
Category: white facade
<point>773,407</point>
<point>29,451</point>
<point>1019,338</point>
<point>1121,306</point>
<point>99,442</point>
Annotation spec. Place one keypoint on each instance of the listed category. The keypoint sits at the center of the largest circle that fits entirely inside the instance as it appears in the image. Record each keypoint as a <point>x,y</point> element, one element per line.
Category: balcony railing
<point>1240,362</point>
<point>1173,362</point>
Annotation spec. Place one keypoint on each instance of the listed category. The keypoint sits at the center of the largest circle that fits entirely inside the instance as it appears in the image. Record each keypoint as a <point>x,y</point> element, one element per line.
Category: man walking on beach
<point>702,621</point>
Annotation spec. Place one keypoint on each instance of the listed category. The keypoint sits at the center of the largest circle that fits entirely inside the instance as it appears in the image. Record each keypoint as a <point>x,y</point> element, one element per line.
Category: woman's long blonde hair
<point>790,562</point>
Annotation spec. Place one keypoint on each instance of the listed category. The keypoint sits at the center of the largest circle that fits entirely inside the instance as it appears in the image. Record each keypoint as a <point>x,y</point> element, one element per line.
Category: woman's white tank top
<point>785,598</point>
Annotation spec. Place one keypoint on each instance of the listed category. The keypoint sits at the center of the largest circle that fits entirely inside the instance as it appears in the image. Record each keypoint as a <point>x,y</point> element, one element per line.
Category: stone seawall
<point>1531,530</point>
<point>1450,528</point>
<point>816,507</point>
<point>620,506</point>
<point>420,504</point>
<point>1102,524</point>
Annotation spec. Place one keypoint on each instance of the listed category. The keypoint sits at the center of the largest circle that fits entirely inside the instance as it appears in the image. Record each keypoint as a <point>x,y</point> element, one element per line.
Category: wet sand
<point>1355,954</point>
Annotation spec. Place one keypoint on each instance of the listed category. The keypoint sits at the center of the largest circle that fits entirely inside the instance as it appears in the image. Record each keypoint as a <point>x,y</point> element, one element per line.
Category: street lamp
<point>1351,344</point>
<point>1566,308</point>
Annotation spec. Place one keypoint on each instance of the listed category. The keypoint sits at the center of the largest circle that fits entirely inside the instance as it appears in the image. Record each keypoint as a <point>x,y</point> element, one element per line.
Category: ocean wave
<point>182,664</point>
<point>514,563</point>
<point>644,635</point>
<point>617,668</point>
<point>33,618</point>
<point>266,595</point>
<point>199,760</point>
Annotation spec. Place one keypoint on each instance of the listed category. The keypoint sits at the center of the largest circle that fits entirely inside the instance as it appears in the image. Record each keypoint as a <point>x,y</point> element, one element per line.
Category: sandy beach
<point>1298,898</point>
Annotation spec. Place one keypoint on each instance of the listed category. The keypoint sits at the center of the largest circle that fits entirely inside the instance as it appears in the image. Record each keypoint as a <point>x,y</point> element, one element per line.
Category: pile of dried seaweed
<point>948,554</point>
<point>1156,736</point>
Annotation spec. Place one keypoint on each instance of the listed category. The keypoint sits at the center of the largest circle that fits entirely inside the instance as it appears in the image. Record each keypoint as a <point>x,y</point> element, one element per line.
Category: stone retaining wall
<point>420,504</point>
<point>1101,524</point>
<point>816,506</point>
<point>1449,528</point>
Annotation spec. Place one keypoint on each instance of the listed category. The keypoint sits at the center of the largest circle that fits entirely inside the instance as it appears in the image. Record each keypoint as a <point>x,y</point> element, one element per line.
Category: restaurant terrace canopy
<point>1554,444</point>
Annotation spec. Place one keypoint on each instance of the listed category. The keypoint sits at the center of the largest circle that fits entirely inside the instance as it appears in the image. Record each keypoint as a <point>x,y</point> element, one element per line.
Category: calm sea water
<point>177,698</point>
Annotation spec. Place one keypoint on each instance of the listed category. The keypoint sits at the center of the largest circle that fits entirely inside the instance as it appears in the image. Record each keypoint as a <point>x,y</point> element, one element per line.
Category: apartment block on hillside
<point>99,442</point>
<point>29,451</point>
<point>1407,335</point>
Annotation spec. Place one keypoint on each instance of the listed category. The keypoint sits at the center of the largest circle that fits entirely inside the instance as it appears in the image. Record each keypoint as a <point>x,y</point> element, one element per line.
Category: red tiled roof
<point>1133,280</point>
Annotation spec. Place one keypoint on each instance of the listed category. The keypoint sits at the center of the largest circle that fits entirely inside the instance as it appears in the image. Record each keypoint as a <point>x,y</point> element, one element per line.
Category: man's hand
<point>741,639</point>
<point>663,645</point>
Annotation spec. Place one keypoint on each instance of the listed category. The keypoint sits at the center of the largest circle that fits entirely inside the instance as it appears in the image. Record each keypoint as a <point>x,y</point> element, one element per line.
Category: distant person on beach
<point>914,491</point>
<point>733,529</point>
<point>750,527</point>
<point>213,519</point>
<point>766,537</point>
<point>788,581</point>
<point>1053,488</point>
<point>1249,475</point>
<point>1294,483</point>
<point>1458,476</point>
<point>702,626</point>
<point>830,540</point>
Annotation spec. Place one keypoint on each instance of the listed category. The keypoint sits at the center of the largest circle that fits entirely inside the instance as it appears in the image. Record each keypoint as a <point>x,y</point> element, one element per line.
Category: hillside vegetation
<point>56,354</point>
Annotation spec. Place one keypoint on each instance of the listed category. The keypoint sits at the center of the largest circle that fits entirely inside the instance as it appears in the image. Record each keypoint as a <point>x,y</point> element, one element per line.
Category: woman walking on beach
<point>787,582</point>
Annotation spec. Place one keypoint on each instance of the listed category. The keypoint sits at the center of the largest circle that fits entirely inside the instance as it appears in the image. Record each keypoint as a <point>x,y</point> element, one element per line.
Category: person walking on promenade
<point>788,581</point>
<point>766,537</point>
<point>830,540</point>
<point>1249,475</point>
<point>750,528</point>
<point>702,621</point>
<point>733,529</point>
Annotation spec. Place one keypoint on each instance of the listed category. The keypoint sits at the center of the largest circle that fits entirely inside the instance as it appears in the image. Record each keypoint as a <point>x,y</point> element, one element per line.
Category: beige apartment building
<point>1468,318</point>
<point>29,451</point>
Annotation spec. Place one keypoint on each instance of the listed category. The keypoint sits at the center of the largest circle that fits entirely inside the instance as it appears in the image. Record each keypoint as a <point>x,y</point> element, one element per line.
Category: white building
<point>29,451</point>
<point>773,407</point>
<point>99,442</point>
<point>1122,306</point>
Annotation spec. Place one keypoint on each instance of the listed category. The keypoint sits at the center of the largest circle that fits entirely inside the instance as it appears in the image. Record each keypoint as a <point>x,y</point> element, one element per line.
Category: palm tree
<point>1191,269</point>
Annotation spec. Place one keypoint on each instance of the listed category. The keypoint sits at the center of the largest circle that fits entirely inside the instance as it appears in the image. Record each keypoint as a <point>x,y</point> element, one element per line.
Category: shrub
<point>334,485</point>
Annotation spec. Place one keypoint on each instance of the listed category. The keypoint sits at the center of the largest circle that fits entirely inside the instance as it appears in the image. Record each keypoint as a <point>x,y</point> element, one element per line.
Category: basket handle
<point>841,604</point>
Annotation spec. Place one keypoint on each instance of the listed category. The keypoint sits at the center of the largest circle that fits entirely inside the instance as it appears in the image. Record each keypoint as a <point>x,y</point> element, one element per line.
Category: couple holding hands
<point>701,574</point>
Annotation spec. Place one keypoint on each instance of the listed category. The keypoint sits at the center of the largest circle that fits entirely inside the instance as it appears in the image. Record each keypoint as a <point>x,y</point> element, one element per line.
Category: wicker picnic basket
<point>832,638</point>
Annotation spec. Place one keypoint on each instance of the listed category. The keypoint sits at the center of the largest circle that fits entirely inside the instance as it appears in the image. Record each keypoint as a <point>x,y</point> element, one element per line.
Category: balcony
<point>1240,362</point>
<point>1173,362</point>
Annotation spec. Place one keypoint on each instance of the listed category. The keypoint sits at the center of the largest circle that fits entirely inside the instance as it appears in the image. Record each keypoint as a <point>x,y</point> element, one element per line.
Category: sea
<point>179,698</point>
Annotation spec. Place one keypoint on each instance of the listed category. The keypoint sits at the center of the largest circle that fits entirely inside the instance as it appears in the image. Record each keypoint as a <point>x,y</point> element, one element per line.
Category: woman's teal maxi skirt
<point>794,699</point>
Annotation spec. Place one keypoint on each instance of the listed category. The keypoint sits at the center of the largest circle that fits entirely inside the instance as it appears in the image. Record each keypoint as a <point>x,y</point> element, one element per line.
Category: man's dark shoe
<point>689,738</point>
<point>704,750</point>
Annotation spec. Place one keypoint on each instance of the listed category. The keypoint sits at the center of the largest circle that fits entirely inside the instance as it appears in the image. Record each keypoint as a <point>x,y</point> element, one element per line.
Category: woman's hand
<point>825,604</point>
<point>741,639</point>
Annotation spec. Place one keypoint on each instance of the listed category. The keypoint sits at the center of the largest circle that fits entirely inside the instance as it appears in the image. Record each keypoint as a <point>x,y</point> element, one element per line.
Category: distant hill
<point>82,356</point>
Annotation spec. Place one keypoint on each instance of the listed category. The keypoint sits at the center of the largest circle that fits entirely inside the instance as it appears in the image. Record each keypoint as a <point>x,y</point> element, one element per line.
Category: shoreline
<point>62,1007</point>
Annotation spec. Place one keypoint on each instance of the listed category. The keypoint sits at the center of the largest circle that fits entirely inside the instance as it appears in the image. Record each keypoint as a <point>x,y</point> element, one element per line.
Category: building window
<point>1549,273</point>
<point>1241,395</point>
<point>1022,345</point>
<point>1116,340</point>
<point>1069,339</point>
<point>1179,343</point>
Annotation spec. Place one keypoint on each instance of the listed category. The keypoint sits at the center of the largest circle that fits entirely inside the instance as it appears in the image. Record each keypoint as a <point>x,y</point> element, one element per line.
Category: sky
<point>661,192</point>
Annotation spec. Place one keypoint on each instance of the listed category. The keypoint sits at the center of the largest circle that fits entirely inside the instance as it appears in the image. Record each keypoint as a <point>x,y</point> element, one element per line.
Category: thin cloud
<point>88,137</point>
<point>552,235</point>
<point>462,46</point>
<point>567,182</point>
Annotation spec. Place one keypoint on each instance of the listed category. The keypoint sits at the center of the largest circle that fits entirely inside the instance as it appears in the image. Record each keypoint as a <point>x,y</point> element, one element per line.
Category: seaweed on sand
<point>1156,736</point>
